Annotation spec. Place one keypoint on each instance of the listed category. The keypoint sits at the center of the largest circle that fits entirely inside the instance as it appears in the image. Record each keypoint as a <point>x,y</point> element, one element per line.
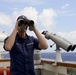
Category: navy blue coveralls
<point>21,55</point>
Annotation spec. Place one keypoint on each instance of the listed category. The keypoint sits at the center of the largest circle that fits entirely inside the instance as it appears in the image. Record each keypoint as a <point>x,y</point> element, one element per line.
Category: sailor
<point>21,46</point>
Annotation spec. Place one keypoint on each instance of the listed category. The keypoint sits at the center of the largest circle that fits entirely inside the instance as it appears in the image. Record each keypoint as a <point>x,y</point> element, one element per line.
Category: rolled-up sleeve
<point>36,43</point>
<point>4,43</point>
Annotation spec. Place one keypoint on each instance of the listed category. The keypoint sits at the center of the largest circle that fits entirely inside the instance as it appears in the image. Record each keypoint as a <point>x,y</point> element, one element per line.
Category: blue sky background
<point>56,16</point>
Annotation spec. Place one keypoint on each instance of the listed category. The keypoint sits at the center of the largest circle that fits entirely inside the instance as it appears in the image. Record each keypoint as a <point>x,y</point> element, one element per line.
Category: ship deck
<point>45,67</point>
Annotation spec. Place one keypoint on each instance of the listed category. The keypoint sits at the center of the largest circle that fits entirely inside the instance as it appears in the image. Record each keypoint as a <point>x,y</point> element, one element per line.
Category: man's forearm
<point>42,42</point>
<point>10,41</point>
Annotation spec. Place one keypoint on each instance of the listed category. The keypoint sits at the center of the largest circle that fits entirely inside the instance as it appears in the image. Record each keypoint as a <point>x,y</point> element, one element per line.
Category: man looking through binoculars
<point>21,47</point>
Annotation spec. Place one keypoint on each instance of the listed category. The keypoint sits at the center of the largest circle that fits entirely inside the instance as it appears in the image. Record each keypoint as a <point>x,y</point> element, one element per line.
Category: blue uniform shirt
<point>21,55</point>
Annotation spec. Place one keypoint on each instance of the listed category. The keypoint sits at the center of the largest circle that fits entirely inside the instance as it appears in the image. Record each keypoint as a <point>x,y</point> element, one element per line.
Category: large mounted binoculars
<point>60,41</point>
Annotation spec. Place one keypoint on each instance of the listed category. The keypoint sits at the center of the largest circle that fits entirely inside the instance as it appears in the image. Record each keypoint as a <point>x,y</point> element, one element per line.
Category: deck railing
<point>47,67</point>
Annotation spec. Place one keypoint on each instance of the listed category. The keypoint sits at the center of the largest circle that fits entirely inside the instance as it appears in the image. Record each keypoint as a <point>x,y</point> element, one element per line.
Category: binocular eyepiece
<point>29,22</point>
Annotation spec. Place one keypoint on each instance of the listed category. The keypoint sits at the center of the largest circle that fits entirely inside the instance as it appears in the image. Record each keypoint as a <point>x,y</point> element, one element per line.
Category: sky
<point>55,16</point>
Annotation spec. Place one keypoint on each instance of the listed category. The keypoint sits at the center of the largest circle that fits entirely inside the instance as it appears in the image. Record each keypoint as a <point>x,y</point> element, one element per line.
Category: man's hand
<point>16,26</point>
<point>31,25</point>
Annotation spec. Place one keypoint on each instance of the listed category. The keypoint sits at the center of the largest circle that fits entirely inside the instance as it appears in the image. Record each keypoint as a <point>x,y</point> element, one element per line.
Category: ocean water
<point>66,56</point>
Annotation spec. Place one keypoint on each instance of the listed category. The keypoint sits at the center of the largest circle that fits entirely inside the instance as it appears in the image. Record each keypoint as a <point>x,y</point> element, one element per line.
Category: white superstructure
<point>3,35</point>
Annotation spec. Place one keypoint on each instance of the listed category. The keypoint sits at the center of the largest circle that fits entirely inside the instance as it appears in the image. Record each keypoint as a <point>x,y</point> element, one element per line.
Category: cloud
<point>65,6</point>
<point>64,11</point>
<point>47,17</point>
<point>30,12</point>
<point>3,35</point>
<point>5,19</point>
<point>71,36</point>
